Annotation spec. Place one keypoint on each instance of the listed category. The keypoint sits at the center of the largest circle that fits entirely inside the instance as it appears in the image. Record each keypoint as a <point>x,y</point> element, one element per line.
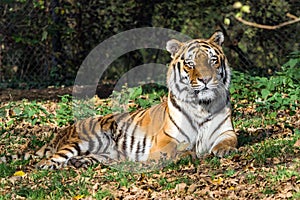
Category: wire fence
<point>43,43</point>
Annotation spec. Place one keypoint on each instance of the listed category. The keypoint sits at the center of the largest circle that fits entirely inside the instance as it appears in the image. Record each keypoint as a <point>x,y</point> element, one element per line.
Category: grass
<point>267,164</point>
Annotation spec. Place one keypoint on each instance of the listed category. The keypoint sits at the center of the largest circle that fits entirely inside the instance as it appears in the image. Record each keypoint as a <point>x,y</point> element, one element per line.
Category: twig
<point>291,16</point>
<point>295,20</point>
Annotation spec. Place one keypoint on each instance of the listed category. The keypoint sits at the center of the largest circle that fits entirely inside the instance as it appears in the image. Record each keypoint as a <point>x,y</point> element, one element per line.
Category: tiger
<point>196,116</point>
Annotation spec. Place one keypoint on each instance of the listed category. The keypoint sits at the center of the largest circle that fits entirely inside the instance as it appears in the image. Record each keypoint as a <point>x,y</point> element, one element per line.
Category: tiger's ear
<point>173,46</point>
<point>217,37</point>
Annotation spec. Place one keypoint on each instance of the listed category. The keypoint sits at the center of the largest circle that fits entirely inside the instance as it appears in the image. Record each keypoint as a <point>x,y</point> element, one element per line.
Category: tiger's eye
<point>190,63</point>
<point>214,60</point>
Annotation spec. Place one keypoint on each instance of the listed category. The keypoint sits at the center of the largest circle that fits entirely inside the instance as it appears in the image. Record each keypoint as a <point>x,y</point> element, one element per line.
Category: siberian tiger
<point>196,116</point>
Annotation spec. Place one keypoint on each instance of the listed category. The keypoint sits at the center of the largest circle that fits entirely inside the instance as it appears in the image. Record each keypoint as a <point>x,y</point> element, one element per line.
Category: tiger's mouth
<point>198,91</point>
<point>204,94</point>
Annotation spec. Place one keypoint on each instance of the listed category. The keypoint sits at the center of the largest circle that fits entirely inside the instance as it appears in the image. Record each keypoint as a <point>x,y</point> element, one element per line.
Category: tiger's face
<point>199,69</point>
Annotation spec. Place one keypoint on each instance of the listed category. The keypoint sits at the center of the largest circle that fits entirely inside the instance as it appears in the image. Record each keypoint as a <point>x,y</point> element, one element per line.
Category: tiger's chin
<point>204,96</point>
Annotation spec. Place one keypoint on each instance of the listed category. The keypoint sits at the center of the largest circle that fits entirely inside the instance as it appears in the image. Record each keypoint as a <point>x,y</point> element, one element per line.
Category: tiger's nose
<point>205,79</point>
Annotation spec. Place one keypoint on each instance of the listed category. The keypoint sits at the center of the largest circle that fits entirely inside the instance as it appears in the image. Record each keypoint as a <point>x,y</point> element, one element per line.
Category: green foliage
<point>141,96</point>
<point>6,170</point>
<point>31,112</point>
<point>273,149</point>
<point>278,92</point>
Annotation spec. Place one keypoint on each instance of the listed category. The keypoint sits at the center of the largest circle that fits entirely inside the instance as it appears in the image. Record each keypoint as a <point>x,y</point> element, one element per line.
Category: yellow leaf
<point>231,188</point>
<point>218,181</point>
<point>19,173</point>
<point>78,197</point>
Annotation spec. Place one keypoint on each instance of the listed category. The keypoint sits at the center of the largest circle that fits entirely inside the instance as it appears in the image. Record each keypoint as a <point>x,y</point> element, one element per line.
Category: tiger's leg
<point>225,144</point>
<point>91,159</point>
<point>83,154</point>
<point>60,158</point>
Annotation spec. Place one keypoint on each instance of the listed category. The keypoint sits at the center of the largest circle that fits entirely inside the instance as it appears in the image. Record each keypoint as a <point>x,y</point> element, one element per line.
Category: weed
<point>214,162</point>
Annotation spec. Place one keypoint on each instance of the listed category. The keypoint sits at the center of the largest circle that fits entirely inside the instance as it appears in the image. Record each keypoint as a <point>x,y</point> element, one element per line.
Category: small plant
<point>278,92</point>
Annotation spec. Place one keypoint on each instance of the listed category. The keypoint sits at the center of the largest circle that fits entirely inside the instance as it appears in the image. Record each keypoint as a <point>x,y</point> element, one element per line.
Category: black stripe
<point>52,160</point>
<point>137,151</point>
<point>174,103</point>
<point>180,130</point>
<point>194,43</point>
<point>68,149</point>
<point>124,128</point>
<point>92,158</point>
<point>76,147</point>
<point>217,51</point>
<point>178,67</point>
<point>46,150</point>
<point>175,78</point>
<point>206,120</point>
<point>62,155</point>
<point>132,138</point>
<point>219,126</point>
<point>108,144</point>
<point>119,132</point>
<point>186,71</point>
<point>105,119</point>
<point>91,124</point>
<point>144,145</point>
<point>85,132</point>
<point>92,129</point>
<point>113,126</point>
<point>100,143</point>
<point>141,113</point>
<point>91,144</point>
<point>223,73</point>
<point>227,98</point>
<point>171,136</point>
<point>192,48</point>
<point>206,46</point>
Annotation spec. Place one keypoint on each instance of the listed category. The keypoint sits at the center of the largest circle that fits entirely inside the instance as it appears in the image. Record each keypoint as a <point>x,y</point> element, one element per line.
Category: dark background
<point>43,43</point>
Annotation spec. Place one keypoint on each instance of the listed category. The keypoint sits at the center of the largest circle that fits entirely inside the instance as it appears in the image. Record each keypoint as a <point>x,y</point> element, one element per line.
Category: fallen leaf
<point>78,197</point>
<point>297,144</point>
<point>192,188</point>
<point>231,188</point>
<point>217,181</point>
<point>19,173</point>
<point>180,187</point>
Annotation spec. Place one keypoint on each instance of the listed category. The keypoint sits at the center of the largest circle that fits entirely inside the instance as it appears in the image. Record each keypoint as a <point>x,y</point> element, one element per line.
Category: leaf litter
<point>252,173</point>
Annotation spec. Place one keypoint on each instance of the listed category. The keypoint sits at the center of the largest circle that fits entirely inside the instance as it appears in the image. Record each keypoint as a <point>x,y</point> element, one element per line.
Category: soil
<point>103,91</point>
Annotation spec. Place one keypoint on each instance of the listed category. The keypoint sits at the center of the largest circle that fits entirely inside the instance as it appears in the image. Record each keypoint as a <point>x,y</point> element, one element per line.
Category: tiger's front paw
<point>223,150</point>
<point>47,164</point>
<point>79,162</point>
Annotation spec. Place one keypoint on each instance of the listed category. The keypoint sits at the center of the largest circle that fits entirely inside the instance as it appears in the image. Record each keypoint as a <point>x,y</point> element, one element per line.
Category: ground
<point>50,93</point>
<point>267,164</point>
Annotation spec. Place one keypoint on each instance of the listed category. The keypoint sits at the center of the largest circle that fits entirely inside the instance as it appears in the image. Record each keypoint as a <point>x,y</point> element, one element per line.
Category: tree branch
<point>295,20</point>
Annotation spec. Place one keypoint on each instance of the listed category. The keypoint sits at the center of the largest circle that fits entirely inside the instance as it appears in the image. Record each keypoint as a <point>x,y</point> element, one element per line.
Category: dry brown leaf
<point>192,188</point>
<point>180,187</point>
<point>297,143</point>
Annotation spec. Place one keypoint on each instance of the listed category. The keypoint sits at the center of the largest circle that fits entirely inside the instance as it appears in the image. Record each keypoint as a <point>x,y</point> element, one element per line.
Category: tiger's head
<point>199,70</point>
